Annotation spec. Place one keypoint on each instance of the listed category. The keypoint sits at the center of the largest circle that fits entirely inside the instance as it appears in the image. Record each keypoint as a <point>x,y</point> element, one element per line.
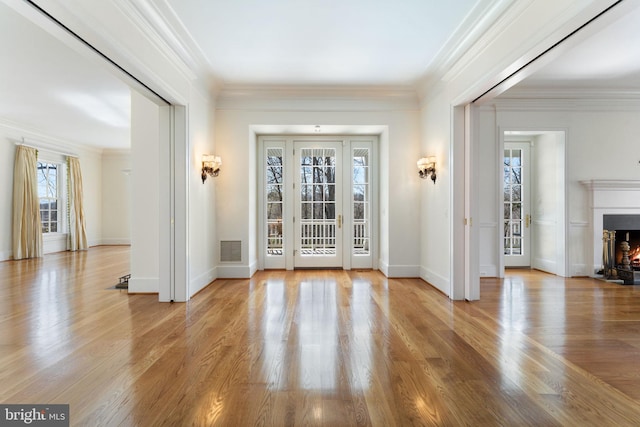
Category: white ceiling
<point>320,42</point>
<point>608,59</point>
<point>50,88</point>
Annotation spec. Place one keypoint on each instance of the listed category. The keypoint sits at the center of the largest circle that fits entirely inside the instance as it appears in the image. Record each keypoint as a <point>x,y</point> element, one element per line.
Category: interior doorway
<point>533,200</point>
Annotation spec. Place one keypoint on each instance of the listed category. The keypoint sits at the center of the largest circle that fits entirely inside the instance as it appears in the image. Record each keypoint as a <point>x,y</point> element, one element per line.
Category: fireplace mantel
<point>609,197</point>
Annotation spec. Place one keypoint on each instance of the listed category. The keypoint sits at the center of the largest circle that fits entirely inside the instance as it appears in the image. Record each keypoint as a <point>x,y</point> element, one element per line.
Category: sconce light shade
<point>210,166</point>
<point>427,168</point>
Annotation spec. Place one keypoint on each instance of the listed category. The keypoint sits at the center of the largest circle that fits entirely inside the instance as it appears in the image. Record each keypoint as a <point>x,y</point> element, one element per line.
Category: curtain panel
<point>26,226</point>
<point>77,228</point>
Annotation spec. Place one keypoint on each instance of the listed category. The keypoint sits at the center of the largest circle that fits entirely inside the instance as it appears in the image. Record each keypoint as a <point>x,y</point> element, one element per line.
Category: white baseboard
<point>117,241</point>
<point>582,270</point>
<point>6,255</point>
<point>202,281</point>
<point>384,267</point>
<point>489,270</point>
<point>436,280</point>
<point>402,271</point>
<point>545,265</point>
<point>144,285</point>
<point>235,271</point>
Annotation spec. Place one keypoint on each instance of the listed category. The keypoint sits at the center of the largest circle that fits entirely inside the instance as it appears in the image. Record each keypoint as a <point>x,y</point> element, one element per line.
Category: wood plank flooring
<point>331,348</point>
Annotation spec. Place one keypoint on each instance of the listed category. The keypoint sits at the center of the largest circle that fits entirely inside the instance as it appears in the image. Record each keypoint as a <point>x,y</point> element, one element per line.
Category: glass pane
<point>516,227</point>
<point>330,211</point>
<point>45,227</point>
<point>516,248</point>
<point>358,211</point>
<point>274,193</point>
<point>318,193</point>
<point>330,193</point>
<point>516,193</point>
<point>318,211</point>
<point>507,157</point>
<point>274,211</point>
<point>516,176</point>
<point>516,211</point>
<point>507,229</point>
<point>305,209</point>
<point>507,211</point>
<point>306,176</point>
<point>54,227</point>
<point>359,193</point>
<point>306,193</point>
<point>507,176</point>
<point>516,157</point>
<point>54,215</point>
<point>44,215</point>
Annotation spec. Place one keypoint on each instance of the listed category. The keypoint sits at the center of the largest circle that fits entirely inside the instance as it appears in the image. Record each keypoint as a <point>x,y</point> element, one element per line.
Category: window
<point>49,194</point>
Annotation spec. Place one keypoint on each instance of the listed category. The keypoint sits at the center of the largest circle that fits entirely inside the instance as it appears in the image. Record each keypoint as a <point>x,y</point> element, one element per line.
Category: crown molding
<point>315,98</point>
<point>529,99</point>
<point>163,24</point>
<point>31,136</point>
<point>486,21</point>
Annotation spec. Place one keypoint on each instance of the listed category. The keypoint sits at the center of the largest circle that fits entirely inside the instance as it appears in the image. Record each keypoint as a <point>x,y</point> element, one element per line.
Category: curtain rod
<point>47,149</point>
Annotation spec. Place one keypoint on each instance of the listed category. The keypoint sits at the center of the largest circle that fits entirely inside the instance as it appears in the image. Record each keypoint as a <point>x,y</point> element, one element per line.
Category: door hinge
<point>294,219</point>
<point>468,221</point>
<point>295,252</point>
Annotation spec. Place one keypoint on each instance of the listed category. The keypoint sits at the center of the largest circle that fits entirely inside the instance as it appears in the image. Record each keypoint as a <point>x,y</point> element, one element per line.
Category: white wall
<point>203,249</point>
<point>236,186</point>
<point>145,191</point>
<point>116,197</point>
<point>599,145</point>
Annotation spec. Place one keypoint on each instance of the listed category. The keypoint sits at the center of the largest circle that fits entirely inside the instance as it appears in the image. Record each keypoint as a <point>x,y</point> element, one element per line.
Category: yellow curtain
<point>27,229</point>
<point>77,229</point>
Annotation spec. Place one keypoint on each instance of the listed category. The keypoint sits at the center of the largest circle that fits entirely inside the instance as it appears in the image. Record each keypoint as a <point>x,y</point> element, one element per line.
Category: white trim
<point>307,98</point>
<point>403,271</point>
<point>237,271</point>
<point>115,241</point>
<point>439,282</point>
<point>202,281</point>
<point>44,142</point>
<point>143,285</point>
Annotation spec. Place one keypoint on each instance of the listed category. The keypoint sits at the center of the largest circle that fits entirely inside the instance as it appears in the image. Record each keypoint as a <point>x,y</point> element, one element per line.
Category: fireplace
<point>612,198</point>
<point>627,229</point>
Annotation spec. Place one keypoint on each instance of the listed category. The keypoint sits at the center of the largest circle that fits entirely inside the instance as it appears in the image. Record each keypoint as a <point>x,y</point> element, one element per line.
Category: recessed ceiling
<point>48,88</point>
<point>320,42</point>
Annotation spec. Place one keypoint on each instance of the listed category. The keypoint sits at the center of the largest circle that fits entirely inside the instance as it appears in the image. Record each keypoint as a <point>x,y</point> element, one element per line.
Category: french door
<point>516,205</point>
<point>318,202</point>
<point>318,216</point>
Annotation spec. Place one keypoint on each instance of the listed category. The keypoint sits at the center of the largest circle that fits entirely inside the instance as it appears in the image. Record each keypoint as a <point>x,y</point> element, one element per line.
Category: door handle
<point>339,221</point>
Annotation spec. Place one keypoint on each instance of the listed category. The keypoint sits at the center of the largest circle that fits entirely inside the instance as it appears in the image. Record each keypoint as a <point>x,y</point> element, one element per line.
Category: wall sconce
<point>427,167</point>
<point>210,165</point>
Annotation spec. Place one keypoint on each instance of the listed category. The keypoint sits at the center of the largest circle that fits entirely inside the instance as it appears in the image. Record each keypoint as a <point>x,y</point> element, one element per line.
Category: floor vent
<point>230,251</point>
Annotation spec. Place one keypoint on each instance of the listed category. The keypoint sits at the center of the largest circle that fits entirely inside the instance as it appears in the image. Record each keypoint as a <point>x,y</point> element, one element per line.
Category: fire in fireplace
<point>621,239</point>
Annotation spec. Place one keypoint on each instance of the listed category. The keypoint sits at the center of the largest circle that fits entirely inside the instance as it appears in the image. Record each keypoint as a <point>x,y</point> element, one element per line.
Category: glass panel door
<point>517,219</point>
<point>318,204</point>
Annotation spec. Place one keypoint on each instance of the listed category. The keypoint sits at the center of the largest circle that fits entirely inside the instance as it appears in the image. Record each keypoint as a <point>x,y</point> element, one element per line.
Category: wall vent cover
<point>230,251</point>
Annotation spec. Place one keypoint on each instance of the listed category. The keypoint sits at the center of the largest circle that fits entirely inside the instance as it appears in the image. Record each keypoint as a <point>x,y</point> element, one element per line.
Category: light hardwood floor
<point>317,348</point>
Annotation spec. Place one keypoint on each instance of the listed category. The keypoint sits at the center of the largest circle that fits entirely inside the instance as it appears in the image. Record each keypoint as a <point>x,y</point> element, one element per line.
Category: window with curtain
<point>49,194</point>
